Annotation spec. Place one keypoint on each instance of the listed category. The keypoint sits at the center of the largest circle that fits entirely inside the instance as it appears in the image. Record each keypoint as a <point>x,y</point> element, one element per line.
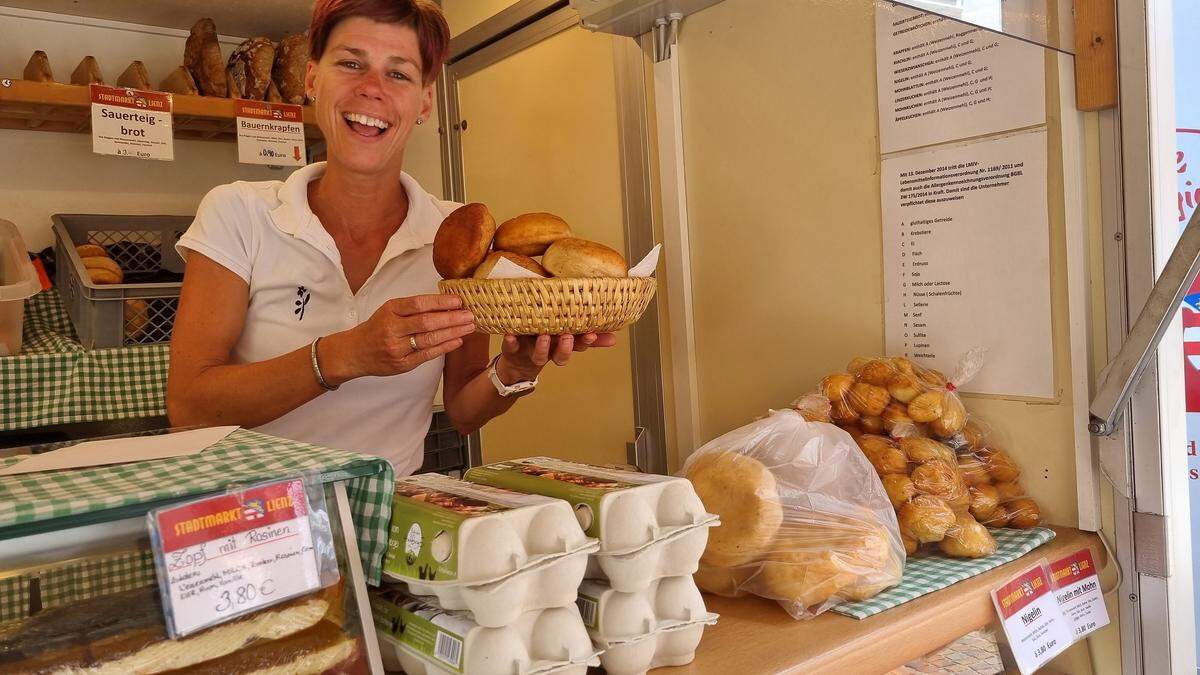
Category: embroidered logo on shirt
<point>302,297</point>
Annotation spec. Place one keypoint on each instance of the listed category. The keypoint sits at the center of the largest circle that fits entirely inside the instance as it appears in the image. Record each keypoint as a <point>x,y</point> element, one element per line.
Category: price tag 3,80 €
<point>226,556</point>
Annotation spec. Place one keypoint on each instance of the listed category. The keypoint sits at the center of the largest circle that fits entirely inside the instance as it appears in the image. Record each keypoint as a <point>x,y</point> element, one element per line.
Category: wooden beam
<point>1095,54</point>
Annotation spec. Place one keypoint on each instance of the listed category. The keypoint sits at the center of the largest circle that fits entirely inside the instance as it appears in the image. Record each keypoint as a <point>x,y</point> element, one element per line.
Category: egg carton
<point>423,638</point>
<point>490,551</point>
<point>553,583</point>
<point>660,626</point>
<point>626,510</point>
<point>677,555</point>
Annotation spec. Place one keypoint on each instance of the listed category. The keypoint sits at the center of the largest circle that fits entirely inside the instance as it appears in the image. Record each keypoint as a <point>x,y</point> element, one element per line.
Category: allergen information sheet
<point>940,80</point>
<point>967,260</point>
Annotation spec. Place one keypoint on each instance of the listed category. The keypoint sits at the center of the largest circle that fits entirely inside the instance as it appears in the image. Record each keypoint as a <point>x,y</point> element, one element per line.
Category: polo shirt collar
<point>293,216</point>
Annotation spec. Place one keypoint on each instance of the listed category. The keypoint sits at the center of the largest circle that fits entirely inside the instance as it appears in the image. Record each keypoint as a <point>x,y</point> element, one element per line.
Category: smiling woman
<point>309,307</point>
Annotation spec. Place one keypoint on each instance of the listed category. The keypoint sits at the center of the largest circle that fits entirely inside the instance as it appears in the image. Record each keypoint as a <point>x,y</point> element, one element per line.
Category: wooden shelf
<point>50,106</point>
<point>755,635</point>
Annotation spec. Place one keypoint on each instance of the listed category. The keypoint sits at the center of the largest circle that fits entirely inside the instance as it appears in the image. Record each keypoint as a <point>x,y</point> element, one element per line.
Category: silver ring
<point>412,342</point>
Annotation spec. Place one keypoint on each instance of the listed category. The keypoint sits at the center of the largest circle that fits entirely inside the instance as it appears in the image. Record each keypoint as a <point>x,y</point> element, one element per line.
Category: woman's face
<point>369,93</point>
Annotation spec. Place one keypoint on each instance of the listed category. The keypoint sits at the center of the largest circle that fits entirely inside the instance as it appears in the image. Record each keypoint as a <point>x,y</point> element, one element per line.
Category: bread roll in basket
<point>588,290</point>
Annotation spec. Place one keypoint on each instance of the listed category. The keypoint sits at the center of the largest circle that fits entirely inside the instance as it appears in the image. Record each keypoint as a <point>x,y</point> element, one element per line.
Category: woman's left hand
<point>523,357</point>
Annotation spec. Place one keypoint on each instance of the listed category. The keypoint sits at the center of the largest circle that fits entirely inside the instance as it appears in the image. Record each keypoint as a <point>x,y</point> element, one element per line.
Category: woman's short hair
<point>423,16</point>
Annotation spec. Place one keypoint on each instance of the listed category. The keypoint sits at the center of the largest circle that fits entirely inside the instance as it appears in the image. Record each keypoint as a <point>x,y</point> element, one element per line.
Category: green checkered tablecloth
<point>55,380</point>
<point>930,573</point>
<point>45,501</point>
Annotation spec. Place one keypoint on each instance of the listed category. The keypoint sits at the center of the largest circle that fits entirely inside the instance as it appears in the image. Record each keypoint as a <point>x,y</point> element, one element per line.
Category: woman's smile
<point>367,126</point>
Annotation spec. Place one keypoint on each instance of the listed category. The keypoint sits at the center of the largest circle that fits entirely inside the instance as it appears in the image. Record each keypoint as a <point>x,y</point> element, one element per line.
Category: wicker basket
<point>552,306</point>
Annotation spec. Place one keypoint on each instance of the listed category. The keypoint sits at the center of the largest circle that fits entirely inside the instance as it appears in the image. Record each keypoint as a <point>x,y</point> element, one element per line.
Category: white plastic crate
<point>18,282</point>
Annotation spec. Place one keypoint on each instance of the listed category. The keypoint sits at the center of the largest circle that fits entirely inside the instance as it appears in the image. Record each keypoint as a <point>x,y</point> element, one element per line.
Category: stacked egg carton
<point>640,605</point>
<point>482,580</point>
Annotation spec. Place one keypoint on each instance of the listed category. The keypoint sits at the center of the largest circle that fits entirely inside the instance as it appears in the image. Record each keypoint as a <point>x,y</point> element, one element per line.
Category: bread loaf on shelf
<point>135,76</point>
<point>202,59</point>
<point>38,68</point>
<point>87,72</point>
<point>291,59</point>
<point>257,57</point>
<point>235,80</point>
<point>180,81</point>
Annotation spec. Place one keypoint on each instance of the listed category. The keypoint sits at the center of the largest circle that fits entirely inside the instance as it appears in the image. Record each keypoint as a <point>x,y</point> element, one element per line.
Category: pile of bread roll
<point>103,270</point>
<point>940,473</point>
<point>468,244</point>
<point>258,69</point>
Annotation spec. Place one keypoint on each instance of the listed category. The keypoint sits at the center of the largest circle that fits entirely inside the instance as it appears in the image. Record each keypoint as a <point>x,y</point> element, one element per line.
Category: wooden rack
<point>50,106</point>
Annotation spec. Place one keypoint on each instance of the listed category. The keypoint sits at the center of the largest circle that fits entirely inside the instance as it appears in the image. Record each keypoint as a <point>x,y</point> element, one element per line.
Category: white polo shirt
<point>266,233</point>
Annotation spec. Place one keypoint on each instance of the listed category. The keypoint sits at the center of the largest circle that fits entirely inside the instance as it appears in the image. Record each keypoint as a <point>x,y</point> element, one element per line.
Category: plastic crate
<point>445,449</point>
<point>141,310</point>
<point>18,283</point>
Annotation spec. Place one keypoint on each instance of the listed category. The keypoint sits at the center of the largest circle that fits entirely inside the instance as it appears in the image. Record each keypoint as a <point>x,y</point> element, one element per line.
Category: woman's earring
<point>420,121</point>
<point>312,97</point>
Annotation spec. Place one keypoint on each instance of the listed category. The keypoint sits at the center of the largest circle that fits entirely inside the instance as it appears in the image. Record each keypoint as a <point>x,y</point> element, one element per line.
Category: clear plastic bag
<point>804,520</point>
<point>907,420</point>
<point>997,498</point>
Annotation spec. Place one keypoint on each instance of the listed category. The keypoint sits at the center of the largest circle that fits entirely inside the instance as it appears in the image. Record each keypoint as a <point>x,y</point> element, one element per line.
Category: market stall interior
<point>883,263</point>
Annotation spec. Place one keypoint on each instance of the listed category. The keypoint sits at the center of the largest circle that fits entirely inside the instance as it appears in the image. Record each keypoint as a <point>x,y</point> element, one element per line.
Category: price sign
<point>1077,586</point>
<point>131,123</point>
<point>233,554</point>
<point>270,133</point>
<point>1032,620</point>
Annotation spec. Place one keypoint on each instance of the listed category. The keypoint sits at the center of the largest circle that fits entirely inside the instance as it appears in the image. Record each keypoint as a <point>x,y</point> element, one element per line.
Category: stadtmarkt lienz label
<point>1032,619</point>
<point>131,123</point>
<point>270,133</point>
<point>232,554</point>
<point>1077,586</point>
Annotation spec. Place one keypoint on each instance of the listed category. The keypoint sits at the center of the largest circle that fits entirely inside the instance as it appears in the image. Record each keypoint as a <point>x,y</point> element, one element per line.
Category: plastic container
<point>18,283</point>
<point>660,626</point>
<point>493,552</point>
<point>420,637</point>
<point>137,312</point>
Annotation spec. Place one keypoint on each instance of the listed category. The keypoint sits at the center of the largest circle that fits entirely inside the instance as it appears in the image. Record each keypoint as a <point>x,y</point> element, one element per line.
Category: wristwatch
<point>506,390</point>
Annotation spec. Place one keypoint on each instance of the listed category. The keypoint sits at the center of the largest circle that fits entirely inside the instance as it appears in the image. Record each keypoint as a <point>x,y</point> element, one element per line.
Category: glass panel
<point>541,135</point>
<point>1044,22</point>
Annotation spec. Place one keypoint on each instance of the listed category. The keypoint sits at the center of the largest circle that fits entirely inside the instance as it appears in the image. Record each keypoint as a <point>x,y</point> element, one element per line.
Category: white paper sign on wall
<point>131,123</point>
<point>270,133</point>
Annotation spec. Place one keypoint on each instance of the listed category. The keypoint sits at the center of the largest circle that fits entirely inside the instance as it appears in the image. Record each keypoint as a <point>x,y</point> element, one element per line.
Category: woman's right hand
<point>381,345</point>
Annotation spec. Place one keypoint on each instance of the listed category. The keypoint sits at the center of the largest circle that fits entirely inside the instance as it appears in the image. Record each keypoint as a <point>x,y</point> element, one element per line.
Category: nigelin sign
<point>270,133</point>
<point>131,123</point>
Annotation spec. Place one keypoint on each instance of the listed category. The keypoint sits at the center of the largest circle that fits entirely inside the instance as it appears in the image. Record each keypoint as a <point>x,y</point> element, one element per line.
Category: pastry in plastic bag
<point>900,489</point>
<point>966,538</point>
<point>943,451</point>
<point>984,465</point>
<point>804,520</point>
<point>742,491</point>
<point>926,518</point>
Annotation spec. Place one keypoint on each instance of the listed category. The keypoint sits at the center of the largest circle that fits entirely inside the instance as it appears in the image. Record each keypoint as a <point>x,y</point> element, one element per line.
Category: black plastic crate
<point>445,450</point>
